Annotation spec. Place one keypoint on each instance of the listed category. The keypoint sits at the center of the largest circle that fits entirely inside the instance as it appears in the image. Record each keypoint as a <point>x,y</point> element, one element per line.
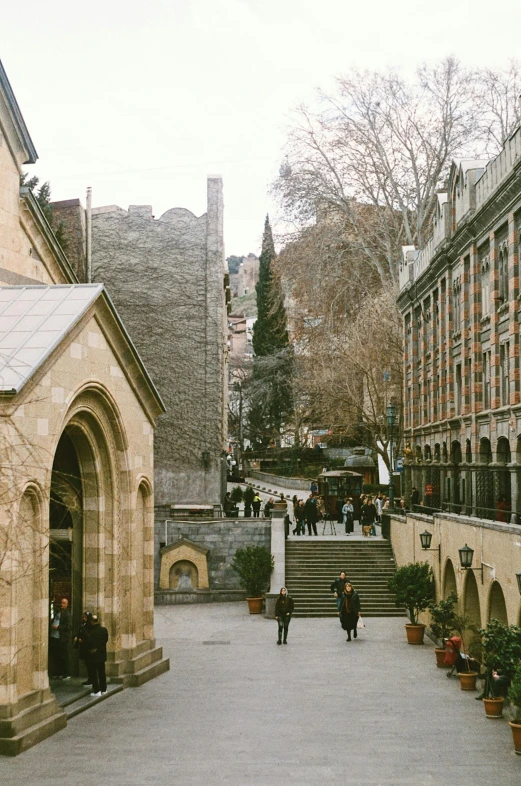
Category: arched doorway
<point>471,608</point>
<point>449,579</point>
<point>484,482</point>
<point>85,538</point>
<point>503,490</point>
<point>457,494</point>
<point>497,608</point>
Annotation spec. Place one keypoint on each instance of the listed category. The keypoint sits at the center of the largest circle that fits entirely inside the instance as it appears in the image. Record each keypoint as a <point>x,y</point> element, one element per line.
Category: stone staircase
<point>311,566</point>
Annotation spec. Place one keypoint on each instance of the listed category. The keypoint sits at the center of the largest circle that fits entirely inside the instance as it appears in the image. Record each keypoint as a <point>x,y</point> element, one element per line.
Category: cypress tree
<point>271,399</point>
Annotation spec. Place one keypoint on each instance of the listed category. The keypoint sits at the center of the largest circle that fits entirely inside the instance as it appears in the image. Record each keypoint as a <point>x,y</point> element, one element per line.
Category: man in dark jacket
<point>96,646</point>
<point>59,640</point>
<point>368,515</point>
<point>283,611</point>
<point>311,513</point>
<point>337,587</point>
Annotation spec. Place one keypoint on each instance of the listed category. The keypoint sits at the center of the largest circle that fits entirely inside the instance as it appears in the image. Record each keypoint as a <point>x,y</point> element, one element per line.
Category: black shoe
<point>479,698</point>
<point>279,642</point>
<point>284,642</point>
<point>348,638</point>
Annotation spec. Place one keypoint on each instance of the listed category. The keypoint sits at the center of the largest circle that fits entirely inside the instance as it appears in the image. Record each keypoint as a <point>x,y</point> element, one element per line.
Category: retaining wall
<point>222,537</point>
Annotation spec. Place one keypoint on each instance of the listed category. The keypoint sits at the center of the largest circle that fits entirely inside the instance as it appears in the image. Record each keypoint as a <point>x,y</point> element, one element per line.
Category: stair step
<point>311,567</point>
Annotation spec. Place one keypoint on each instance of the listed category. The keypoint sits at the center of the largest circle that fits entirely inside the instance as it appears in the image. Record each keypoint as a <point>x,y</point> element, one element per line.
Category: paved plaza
<point>237,709</point>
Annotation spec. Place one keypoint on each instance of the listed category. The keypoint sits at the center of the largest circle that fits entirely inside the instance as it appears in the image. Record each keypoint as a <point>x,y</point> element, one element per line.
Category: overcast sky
<point>142,100</point>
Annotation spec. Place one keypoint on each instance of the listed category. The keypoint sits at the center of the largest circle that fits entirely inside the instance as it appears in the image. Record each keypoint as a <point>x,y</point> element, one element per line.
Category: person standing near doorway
<point>283,611</point>
<point>97,638</point>
<point>59,641</point>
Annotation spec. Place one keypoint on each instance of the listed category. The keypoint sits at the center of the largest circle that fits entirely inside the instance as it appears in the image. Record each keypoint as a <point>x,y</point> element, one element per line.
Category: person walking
<point>80,642</point>
<point>311,514</point>
<point>300,516</point>
<point>256,505</point>
<point>283,611</point>
<point>60,632</point>
<point>350,610</point>
<point>368,515</point>
<point>337,588</point>
<point>96,644</point>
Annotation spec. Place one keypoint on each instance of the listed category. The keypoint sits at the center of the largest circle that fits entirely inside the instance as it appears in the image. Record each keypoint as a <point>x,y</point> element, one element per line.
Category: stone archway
<point>497,608</point>
<point>471,607</point>
<point>449,579</point>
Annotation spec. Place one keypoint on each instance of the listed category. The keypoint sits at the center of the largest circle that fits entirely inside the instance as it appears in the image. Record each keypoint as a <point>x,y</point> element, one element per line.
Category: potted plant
<point>469,674</point>
<point>248,497</point>
<point>236,497</point>
<point>413,586</point>
<point>501,652</point>
<point>254,565</point>
<point>514,694</point>
<point>442,624</point>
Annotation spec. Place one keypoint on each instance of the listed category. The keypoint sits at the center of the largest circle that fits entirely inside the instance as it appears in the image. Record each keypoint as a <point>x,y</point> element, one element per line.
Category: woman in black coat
<point>350,610</point>
<point>283,611</point>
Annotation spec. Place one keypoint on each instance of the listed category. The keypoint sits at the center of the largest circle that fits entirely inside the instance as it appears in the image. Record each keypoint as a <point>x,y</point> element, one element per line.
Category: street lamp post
<point>391,419</point>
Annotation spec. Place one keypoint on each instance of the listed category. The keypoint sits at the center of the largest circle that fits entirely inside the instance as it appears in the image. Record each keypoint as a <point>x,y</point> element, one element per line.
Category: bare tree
<point>498,94</point>
<point>382,141</point>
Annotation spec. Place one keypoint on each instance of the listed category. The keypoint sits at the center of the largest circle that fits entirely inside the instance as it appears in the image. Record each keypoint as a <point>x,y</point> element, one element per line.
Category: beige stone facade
<point>482,594</point>
<point>77,440</point>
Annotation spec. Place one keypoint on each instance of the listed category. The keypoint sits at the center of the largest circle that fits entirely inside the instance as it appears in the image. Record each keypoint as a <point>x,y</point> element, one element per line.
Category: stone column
<point>278,551</point>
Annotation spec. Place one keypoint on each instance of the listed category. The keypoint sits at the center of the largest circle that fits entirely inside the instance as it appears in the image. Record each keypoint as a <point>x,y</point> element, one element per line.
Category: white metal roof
<point>33,321</point>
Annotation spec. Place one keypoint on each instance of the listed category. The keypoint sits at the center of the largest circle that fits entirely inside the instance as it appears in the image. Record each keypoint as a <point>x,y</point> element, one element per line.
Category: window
<point>503,273</point>
<point>485,287</point>
<point>504,373</point>
<point>458,388</point>
<point>486,380</point>
<point>456,306</point>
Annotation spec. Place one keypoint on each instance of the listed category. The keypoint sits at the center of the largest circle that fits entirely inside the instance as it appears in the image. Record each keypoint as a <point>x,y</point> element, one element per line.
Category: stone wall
<point>166,278</point>
<point>302,484</point>
<point>495,545</point>
<point>222,537</point>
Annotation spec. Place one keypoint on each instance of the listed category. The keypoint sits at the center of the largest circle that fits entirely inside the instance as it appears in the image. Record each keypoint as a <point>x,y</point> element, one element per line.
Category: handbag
<point>360,623</point>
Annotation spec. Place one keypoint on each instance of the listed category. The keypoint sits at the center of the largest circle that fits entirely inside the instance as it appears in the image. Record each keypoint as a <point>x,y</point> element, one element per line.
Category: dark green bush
<point>413,585</point>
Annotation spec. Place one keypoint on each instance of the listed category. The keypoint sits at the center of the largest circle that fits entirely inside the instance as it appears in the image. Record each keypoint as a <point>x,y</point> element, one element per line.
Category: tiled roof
<point>33,321</point>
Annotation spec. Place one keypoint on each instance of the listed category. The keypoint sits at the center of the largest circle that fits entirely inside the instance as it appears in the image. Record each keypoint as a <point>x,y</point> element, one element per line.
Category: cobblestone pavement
<point>238,709</point>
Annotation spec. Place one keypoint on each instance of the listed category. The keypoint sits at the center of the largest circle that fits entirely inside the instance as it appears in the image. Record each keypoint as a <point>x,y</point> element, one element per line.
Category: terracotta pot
<point>494,707</point>
<point>516,736</point>
<point>415,633</point>
<point>440,657</point>
<point>255,605</point>
<point>467,680</point>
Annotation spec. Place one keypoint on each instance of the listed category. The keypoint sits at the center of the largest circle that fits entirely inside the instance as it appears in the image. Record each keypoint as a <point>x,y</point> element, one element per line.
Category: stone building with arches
<point>460,302</point>
<point>77,416</point>
<point>488,590</point>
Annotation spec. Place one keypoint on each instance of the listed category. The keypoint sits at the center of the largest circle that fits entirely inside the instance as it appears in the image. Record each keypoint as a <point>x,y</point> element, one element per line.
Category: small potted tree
<point>248,497</point>
<point>254,565</point>
<point>236,497</point>
<point>470,654</point>
<point>501,652</point>
<point>413,587</point>
<point>443,619</point>
<point>514,694</point>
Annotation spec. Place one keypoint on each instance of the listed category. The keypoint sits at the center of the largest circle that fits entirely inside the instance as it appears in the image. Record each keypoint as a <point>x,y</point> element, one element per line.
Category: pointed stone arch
<point>497,608</point>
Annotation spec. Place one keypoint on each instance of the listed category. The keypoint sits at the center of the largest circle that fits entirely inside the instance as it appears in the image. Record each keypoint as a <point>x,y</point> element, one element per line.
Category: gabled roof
<point>6,92</point>
<point>34,320</point>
